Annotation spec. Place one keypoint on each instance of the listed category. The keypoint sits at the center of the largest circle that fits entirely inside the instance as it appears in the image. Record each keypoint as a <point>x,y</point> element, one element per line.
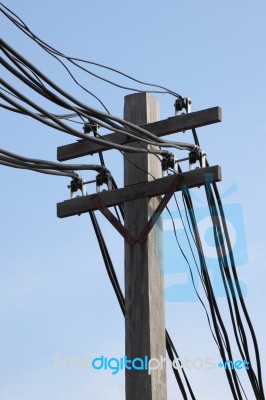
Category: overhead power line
<point>19,23</point>
<point>16,101</point>
<point>103,119</point>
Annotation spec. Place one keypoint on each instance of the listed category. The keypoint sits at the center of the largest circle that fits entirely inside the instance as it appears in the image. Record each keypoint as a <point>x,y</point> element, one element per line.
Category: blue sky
<point>55,294</point>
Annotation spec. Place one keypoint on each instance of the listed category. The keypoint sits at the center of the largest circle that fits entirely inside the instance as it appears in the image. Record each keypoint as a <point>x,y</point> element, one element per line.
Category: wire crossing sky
<point>29,90</point>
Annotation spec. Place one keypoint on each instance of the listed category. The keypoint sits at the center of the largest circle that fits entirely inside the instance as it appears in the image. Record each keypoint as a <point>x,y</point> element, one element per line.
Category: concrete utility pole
<point>144,291</point>
<point>144,295</point>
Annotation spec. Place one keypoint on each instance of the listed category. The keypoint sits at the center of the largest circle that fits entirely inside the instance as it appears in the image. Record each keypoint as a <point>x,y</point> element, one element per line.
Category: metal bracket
<point>183,103</point>
<point>163,203</point>
<point>102,178</point>
<point>91,126</point>
<point>76,184</point>
<point>169,161</point>
<point>111,218</point>
<point>152,221</point>
<point>195,156</point>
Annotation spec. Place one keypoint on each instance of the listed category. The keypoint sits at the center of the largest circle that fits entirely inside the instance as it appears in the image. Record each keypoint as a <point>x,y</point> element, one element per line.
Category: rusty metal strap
<point>163,203</point>
<point>114,221</point>
<point>152,221</point>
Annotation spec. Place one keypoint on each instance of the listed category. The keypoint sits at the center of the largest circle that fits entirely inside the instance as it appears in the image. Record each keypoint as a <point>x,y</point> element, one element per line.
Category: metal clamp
<point>104,178</point>
<point>203,160</point>
<point>183,103</point>
<point>197,155</point>
<point>169,161</point>
<point>76,184</point>
<point>91,126</point>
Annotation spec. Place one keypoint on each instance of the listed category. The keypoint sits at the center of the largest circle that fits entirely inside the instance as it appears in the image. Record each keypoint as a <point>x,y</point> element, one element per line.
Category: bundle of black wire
<point>172,353</point>
<point>34,79</point>
<point>232,289</point>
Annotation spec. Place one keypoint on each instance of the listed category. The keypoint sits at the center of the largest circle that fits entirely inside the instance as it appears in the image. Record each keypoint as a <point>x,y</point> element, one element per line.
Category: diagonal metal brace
<point>163,203</point>
<point>152,221</point>
<point>114,221</point>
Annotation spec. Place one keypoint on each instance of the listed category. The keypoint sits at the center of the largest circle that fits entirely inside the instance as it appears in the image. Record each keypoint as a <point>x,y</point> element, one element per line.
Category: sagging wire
<point>35,169</point>
<point>203,283</point>
<point>59,125</point>
<point>216,316</point>
<point>222,239</point>
<point>13,160</point>
<point>189,265</point>
<point>229,282</point>
<point>131,128</point>
<point>19,23</point>
<point>229,289</point>
<point>120,297</point>
<point>167,164</point>
<point>117,289</point>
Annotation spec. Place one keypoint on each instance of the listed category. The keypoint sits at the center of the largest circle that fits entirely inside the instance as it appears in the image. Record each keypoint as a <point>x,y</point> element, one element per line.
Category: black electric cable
<point>63,127</point>
<point>201,275</point>
<point>216,316</point>
<point>190,269</point>
<point>240,397</point>
<point>120,300</point>
<point>36,84</point>
<point>36,169</point>
<point>13,109</point>
<point>227,279</point>
<point>97,113</point>
<point>201,278</point>
<point>23,68</point>
<point>113,278</point>
<point>240,296</point>
<point>176,373</point>
<point>18,62</point>
<point>128,159</point>
<point>108,262</point>
<point>173,349</point>
<point>257,385</point>
<point>80,112</point>
<point>112,275</point>
<point>113,182</point>
<point>45,164</point>
<point>22,26</point>
<point>230,309</point>
<point>79,84</point>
